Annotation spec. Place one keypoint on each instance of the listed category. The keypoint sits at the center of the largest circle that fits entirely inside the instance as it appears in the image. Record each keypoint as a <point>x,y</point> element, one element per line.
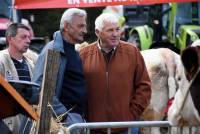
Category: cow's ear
<point>190,61</point>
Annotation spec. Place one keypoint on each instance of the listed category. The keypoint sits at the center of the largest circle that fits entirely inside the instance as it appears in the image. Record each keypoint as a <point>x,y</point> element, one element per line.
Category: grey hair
<point>12,29</point>
<point>105,17</point>
<point>69,14</point>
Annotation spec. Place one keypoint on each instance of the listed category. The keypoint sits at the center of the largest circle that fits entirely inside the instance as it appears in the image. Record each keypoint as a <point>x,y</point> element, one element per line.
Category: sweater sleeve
<point>2,69</point>
<point>142,85</point>
<point>59,108</point>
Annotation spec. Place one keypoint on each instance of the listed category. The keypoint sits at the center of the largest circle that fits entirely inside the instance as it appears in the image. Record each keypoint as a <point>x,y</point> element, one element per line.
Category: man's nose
<point>28,40</point>
<point>116,33</point>
<point>85,30</point>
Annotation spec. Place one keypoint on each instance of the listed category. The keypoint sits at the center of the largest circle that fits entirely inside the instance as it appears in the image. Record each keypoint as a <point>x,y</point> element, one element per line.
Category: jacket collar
<point>58,42</point>
<point>99,47</point>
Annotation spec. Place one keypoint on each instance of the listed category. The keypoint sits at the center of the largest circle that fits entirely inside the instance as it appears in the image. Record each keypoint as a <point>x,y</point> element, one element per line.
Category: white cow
<point>167,75</point>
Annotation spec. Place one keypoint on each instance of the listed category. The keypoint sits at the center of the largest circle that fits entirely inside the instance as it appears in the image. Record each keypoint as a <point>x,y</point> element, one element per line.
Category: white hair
<point>105,17</point>
<point>196,43</point>
<point>69,14</point>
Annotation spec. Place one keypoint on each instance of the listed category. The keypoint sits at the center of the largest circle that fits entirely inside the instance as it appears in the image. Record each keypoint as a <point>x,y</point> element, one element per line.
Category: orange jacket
<point>119,90</point>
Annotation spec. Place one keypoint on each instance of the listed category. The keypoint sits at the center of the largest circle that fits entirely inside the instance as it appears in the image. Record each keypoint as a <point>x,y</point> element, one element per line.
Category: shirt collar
<point>99,47</point>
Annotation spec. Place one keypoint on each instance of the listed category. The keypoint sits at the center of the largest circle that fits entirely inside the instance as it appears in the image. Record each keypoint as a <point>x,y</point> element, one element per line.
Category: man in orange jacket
<point>117,80</point>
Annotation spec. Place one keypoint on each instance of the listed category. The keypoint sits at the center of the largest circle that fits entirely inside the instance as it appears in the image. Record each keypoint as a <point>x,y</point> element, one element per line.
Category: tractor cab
<point>174,25</point>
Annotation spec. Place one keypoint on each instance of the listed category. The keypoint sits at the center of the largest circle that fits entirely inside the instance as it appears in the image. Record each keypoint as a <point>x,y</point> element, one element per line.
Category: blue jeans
<point>4,128</point>
<point>133,131</point>
<point>26,125</point>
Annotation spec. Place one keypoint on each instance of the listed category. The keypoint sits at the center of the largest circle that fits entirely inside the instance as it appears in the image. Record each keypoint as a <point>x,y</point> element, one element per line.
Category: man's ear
<point>97,32</point>
<point>8,39</point>
<point>66,26</point>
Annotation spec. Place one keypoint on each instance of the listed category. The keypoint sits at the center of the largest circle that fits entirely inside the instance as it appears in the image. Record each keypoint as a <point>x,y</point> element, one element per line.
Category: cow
<point>167,75</point>
<point>183,110</point>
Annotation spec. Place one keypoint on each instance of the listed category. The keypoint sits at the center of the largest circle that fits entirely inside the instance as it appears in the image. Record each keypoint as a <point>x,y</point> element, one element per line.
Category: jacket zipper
<point>107,85</point>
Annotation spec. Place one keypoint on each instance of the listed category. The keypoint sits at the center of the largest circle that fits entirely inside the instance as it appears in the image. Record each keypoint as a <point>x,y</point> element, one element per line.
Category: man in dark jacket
<point>70,86</point>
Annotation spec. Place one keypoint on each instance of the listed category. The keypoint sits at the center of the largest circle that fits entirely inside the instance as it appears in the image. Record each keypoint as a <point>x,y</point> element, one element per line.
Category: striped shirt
<point>22,69</point>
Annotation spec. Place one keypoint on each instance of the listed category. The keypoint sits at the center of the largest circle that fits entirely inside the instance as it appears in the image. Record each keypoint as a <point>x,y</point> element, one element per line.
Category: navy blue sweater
<point>73,89</point>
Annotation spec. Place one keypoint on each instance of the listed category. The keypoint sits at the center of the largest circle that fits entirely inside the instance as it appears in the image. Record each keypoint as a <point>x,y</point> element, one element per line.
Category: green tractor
<point>176,24</point>
<point>137,28</point>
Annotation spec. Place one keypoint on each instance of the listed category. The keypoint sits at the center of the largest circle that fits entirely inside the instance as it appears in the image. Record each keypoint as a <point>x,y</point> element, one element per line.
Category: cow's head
<point>191,60</point>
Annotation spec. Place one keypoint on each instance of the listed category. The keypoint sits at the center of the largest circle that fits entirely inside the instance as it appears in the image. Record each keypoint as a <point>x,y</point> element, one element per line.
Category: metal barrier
<point>109,125</point>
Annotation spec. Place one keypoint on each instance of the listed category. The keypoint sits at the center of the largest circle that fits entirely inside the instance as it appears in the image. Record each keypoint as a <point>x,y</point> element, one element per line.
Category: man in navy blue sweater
<point>70,86</point>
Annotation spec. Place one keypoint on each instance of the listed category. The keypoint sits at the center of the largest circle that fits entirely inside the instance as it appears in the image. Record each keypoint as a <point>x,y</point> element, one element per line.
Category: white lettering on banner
<point>76,2</point>
<point>88,1</point>
<point>69,1</point>
<point>95,1</point>
<point>120,0</point>
<point>84,1</point>
<point>109,0</point>
<point>99,1</point>
<point>91,1</point>
<point>73,1</point>
<point>136,1</point>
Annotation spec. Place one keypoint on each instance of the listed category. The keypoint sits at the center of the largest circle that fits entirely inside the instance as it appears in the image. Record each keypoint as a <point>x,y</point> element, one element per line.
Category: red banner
<point>42,4</point>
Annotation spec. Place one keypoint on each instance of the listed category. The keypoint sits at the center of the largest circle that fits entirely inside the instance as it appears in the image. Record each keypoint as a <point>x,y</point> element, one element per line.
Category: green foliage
<point>46,22</point>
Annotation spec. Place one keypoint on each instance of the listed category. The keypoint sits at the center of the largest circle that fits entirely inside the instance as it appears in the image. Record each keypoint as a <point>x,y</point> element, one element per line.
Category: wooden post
<point>47,91</point>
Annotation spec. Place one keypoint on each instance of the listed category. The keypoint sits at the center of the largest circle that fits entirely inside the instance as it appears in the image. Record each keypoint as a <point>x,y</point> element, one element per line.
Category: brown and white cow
<point>185,109</point>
